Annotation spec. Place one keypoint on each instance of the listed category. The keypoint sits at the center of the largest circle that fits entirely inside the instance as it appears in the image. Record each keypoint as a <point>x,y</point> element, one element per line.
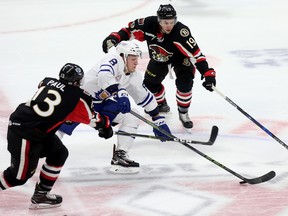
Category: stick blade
<point>214,135</point>
<point>268,176</point>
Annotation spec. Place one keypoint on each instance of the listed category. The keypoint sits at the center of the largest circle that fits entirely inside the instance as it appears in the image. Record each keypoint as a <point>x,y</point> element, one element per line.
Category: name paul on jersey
<point>56,84</point>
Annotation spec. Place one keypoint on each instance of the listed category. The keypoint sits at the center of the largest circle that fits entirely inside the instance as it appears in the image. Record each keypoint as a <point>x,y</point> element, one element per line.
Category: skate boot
<point>185,120</point>
<point>164,107</point>
<point>121,163</point>
<point>42,199</point>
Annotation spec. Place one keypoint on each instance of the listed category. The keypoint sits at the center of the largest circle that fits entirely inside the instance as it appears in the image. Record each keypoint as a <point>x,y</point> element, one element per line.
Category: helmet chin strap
<point>125,64</point>
<point>126,71</point>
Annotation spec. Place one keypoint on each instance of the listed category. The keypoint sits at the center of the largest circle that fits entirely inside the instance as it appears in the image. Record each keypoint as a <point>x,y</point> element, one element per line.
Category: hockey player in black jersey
<point>32,127</point>
<point>170,45</point>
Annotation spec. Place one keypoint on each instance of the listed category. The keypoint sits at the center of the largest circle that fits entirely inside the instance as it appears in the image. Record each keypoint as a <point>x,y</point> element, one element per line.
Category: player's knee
<point>58,157</point>
<point>184,89</point>
<point>184,85</point>
<point>63,155</point>
<point>154,88</point>
<point>131,120</point>
<point>130,123</point>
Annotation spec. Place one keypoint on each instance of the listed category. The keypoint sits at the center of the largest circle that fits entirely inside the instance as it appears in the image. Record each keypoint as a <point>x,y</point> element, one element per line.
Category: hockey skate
<point>185,120</point>
<point>121,163</point>
<point>43,199</point>
<point>164,107</point>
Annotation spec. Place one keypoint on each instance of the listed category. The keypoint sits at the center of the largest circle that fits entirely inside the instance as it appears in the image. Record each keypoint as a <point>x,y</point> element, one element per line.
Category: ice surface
<point>245,41</point>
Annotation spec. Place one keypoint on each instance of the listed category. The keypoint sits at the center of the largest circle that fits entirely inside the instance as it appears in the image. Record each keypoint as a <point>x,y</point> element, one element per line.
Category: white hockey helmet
<point>128,48</point>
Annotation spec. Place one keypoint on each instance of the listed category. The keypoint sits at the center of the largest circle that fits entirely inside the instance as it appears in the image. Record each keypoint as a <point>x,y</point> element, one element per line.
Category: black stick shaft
<point>245,180</point>
<point>251,118</point>
<point>163,138</point>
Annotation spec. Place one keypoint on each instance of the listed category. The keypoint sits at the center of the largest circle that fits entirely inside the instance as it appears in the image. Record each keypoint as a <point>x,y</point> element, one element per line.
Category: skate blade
<point>124,170</point>
<point>34,206</point>
<point>188,130</point>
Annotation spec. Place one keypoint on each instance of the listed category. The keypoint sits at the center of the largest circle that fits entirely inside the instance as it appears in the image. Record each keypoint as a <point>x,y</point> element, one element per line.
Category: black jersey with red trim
<point>55,102</point>
<point>165,48</point>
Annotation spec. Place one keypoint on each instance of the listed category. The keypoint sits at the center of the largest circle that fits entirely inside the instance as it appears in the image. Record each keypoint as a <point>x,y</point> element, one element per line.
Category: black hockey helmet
<point>71,74</point>
<point>166,11</point>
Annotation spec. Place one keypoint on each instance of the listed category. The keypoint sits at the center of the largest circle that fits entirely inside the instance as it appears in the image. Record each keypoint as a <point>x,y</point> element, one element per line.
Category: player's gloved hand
<point>210,80</point>
<point>109,41</point>
<point>161,123</point>
<point>123,103</point>
<point>103,126</point>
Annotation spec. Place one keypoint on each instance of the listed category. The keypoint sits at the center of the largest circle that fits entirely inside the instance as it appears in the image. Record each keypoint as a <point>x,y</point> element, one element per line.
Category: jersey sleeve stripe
<point>107,68</point>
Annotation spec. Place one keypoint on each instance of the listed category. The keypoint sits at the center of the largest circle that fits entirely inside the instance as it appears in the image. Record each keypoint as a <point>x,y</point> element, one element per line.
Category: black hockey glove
<point>103,126</point>
<point>210,80</point>
<point>109,42</point>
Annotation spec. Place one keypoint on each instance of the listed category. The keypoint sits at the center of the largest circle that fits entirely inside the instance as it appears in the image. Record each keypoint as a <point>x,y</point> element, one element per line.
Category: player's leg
<point>154,75</point>
<point>121,163</point>
<point>184,82</point>
<point>56,154</point>
<point>24,161</point>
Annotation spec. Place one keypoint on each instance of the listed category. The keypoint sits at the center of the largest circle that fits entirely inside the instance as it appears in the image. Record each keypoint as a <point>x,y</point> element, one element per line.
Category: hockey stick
<point>250,117</point>
<point>213,136</point>
<point>256,180</point>
<point>211,140</point>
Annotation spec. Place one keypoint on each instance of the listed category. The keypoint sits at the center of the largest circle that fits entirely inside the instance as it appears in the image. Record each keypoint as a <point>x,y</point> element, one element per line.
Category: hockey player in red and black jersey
<point>170,45</point>
<point>32,127</point>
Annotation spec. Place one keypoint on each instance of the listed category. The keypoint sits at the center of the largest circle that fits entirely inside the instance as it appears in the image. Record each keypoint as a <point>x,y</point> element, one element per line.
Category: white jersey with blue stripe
<point>110,71</point>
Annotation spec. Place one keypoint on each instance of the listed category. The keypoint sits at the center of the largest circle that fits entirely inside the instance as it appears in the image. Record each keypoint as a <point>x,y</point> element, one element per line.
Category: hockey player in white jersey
<point>110,82</point>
